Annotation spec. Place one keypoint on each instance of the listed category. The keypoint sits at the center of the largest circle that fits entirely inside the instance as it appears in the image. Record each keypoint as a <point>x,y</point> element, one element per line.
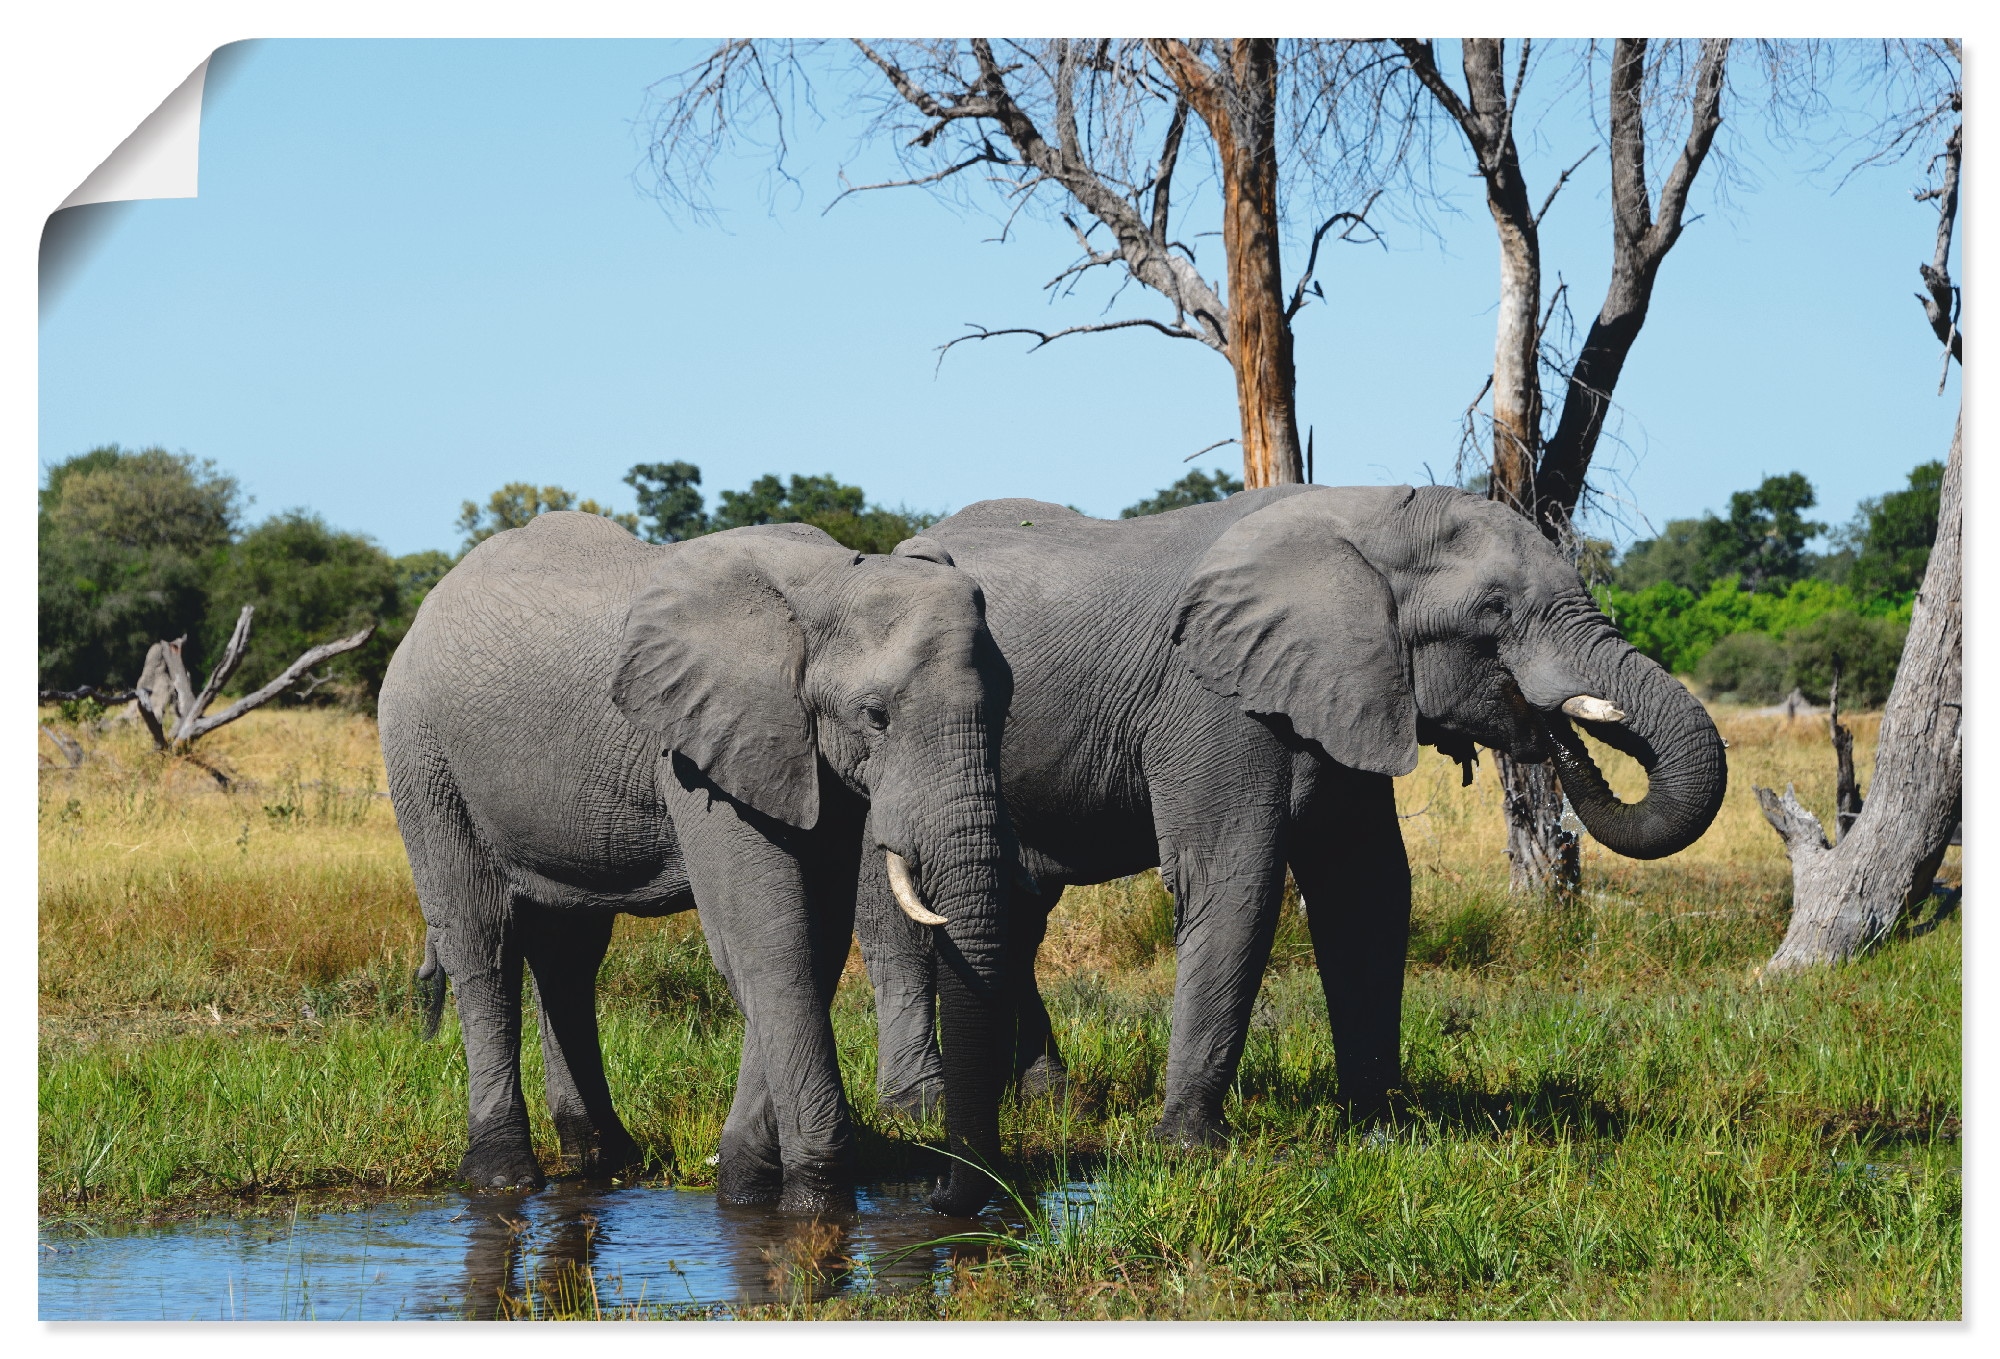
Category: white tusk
<point>1592,709</point>
<point>906,892</point>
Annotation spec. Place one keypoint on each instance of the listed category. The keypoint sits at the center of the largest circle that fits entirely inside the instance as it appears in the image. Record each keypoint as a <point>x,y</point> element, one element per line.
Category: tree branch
<point>1423,64</point>
<point>1561,180</point>
<point>183,686</point>
<point>1353,220</point>
<point>232,656</point>
<point>1043,337</point>
<point>987,156</point>
<point>1666,228</point>
<point>1169,155</point>
<point>325,651</point>
<point>1940,307</point>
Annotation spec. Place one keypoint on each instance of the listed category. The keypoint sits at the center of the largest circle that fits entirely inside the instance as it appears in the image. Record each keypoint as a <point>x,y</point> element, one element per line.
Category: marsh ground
<point>1607,1114</point>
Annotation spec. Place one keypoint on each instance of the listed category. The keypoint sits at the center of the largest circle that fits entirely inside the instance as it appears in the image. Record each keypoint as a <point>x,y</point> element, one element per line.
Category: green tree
<point>416,573</point>
<point>309,584</point>
<point>669,504</point>
<point>1196,488</point>
<point>1675,557</point>
<point>125,545</point>
<point>518,502</point>
<point>1763,540</point>
<point>1895,545</point>
<point>824,502</point>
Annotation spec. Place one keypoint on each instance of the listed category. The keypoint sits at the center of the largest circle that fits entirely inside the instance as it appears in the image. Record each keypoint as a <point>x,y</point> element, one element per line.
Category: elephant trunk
<point>957,869</point>
<point>1659,724</point>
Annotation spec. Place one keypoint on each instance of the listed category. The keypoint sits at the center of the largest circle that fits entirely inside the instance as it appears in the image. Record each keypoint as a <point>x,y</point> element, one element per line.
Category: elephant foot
<point>918,1102</point>
<point>594,1156</point>
<point>501,1168</point>
<point>815,1194</point>
<point>963,1193</point>
<point>1190,1128</point>
<point>1045,1078</point>
<point>1369,1106</point>
<point>743,1181</point>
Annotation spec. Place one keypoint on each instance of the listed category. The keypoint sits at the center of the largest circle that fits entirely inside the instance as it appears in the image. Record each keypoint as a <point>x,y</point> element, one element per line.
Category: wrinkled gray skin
<point>580,724</point>
<point>1227,689</point>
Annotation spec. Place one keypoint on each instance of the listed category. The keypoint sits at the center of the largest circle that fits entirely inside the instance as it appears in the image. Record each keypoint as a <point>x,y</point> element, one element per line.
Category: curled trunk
<point>1667,731</point>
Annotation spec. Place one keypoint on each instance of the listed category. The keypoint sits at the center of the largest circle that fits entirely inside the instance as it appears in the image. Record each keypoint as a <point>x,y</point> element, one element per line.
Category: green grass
<point>1606,1113</point>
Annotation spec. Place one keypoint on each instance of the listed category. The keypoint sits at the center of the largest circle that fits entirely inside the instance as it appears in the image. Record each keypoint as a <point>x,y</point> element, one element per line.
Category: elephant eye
<point>1494,607</point>
<point>875,715</point>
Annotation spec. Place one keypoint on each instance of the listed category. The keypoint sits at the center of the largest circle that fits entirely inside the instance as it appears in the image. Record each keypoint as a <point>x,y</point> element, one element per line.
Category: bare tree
<point>1847,897</point>
<point>1105,124</point>
<point>1545,478</point>
<point>191,723</point>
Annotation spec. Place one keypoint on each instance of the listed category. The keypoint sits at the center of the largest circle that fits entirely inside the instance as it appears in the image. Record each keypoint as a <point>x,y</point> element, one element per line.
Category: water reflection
<point>481,1255</point>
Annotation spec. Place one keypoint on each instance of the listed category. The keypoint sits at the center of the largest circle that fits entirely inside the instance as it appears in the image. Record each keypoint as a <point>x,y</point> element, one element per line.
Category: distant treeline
<point>1738,603</point>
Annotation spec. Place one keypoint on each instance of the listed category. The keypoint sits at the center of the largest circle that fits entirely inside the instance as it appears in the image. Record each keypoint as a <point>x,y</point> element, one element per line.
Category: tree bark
<point>1238,101</point>
<point>1845,898</point>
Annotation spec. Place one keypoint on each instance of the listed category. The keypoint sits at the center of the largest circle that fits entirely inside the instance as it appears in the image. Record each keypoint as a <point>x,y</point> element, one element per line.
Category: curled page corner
<point>162,157</point>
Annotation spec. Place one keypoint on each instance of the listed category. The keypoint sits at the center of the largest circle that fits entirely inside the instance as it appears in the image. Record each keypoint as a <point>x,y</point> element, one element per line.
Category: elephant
<point>1228,689</point>
<point>580,724</point>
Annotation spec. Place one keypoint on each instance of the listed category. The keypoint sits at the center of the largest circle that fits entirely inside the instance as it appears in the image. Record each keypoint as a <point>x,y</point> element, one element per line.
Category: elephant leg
<point>1347,856</point>
<point>469,913</point>
<point>564,950</point>
<point>1227,878</point>
<point>1039,1068</point>
<point>755,914</point>
<point>909,1072</point>
<point>500,1153</point>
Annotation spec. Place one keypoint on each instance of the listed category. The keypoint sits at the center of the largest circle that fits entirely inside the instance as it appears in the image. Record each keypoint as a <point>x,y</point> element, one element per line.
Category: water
<point>455,1256</point>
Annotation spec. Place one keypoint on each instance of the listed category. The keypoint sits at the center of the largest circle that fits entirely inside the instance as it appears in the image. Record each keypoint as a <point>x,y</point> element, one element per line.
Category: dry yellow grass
<point>168,902</point>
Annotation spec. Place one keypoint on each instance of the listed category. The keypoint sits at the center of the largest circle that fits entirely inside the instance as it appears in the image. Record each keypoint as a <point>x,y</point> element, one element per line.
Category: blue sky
<point>417,270</point>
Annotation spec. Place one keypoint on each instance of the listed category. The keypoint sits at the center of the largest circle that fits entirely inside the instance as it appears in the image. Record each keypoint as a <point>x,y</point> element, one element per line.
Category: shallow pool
<point>460,1255</point>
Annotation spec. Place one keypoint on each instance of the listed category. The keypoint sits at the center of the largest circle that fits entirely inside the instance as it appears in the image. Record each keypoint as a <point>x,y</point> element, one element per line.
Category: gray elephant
<point>1227,689</point>
<point>580,724</point>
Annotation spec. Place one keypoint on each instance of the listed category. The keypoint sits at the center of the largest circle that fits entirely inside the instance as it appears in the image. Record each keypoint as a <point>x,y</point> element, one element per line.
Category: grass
<point>1607,1114</point>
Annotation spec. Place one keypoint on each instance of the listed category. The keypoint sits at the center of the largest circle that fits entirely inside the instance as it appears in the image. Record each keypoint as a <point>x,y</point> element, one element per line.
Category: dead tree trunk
<point>1237,99</point>
<point>191,724</point>
<point>1847,897</point>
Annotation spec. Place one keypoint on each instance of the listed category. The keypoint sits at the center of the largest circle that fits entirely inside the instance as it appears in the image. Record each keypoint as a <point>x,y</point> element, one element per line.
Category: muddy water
<point>457,1256</point>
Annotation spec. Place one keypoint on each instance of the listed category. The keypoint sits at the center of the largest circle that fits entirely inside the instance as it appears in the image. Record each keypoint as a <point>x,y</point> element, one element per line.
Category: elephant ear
<point>713,658</point>
<point>1286,616</point>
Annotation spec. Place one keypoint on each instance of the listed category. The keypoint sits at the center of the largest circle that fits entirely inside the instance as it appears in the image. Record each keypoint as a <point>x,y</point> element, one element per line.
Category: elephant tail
<point>430,986</point>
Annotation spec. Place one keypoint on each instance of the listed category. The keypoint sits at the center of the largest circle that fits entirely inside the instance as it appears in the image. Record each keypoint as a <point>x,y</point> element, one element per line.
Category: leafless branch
<point>106,697</point>
<point>326,651</point>
<point>1561,180</point>
<point>1210,449</point>
<point>1941,305</point>
<point>988,156</point>
<point>71,748</point>
<point>232,656</point>
<point>1043,337</point>
<point>1354,220</point>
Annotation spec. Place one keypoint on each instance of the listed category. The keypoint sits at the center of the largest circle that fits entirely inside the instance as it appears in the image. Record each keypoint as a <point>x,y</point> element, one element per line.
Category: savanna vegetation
<point>1606,1113</point>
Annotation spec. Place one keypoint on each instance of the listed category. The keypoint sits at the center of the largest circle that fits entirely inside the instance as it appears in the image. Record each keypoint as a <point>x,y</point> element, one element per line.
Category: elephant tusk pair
<point>1592,709</point>
<point>906,892</point>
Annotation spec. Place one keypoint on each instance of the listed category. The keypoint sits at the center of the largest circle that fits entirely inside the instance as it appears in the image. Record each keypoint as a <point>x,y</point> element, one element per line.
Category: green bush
<point>1867,649</point>
<point>1748,666</point>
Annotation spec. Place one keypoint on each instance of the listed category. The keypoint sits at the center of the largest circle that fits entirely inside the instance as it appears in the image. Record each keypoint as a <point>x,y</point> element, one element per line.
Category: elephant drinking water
<point>580,724</point>
<point>1229,689</point>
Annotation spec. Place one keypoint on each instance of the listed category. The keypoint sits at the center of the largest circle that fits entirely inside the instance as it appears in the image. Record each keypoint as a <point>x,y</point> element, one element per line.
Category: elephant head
<point>763,654</point>
<point>1376,617</point>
